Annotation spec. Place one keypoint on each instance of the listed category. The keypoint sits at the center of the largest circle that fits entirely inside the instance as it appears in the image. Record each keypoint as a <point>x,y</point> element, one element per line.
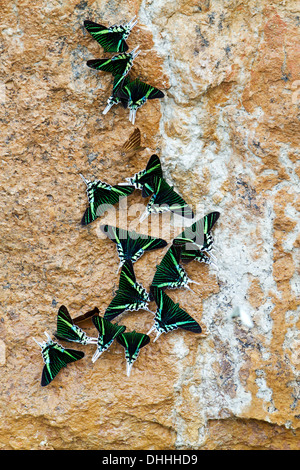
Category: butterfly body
<point>112,38</point>
<point>130,296</point>
<point>113,99</point>
<point>67,330</point>
<point>101,197</point>
<point>169,316</point>
<point>132,343</point>
<point>108,332</point>
<point>55,357</point>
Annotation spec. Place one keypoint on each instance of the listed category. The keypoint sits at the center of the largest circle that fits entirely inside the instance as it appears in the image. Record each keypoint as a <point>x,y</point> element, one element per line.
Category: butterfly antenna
<point>195,282</point>
<point>47,336</point>
<point>188,288</point>
<point>214,265</point>
<point>148,310</point>
<point>132,23</point>
<point>83,178</point>
<point>135,52</point>
<point>213,256</point>
<point>37,342</point>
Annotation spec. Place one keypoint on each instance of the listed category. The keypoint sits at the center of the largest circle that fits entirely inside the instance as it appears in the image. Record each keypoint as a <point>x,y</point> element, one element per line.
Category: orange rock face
<point>227,133</point>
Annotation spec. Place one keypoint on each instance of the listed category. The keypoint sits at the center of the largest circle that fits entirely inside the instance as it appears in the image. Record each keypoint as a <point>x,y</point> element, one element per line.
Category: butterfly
<point>113,99</point>
<point>198,235</point>
<point>55,358</point>
<point>133,143</point>
<point>101,197</point>
<point>112,38</point>
<point>169,273</point>
<point>132,342</point>
<point>131,245</point>
<point>169,316</point>
<point>143,180</point>
<point>137,93</point>
<point>85,316</point>
<point>130,295</point>
<point>67,330</point>
<point>107,333</point>
<point>118,65</point>
<point>165,199</point>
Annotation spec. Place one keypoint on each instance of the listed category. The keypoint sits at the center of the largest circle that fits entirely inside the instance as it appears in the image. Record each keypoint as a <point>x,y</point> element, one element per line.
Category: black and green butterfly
<point>132,342</point>
<point>130,295</point>
<point>137,93</point>
<point>198,235</point>
<point>165,199</point>
<point>67,330</point>
<point>101,197</point>
<point>119,82</point>
<point>143,180</point>
<point>169,273</point>
<point>131,245</point>
<point>118,65</point>
<point>169,316</point>
<point>112,38</point>
<point>107,332</point>
<point>55,358</point>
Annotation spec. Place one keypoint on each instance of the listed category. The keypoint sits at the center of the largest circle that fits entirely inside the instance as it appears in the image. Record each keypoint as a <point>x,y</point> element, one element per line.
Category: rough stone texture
<point>227,132</point>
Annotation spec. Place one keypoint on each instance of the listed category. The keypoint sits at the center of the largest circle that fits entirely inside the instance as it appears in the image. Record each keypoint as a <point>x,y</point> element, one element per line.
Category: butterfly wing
<point>111,39</point>
<point>129,296</point>
<point>58,358</point>
<point>118,65</point>
<point>65,326</point>
<point>153,169</point>
<point>166,199</point>
<point>101,199</point>
<point>198,233</point>
<point>170,316</point>
<point>169,270</point>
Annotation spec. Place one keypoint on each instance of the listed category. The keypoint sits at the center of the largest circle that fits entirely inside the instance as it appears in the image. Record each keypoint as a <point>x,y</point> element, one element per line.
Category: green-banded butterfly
<point>132,342</point>
<point>101,197</point>
<point>137,93</point>
<point>198,235</point>
<point>55,357</point>
<point>131,245</point>
<point>68,331</point>
<point>169,316</point>
<point>111,38</point>
<point>107,332</point>
<point>130,295</point>
<point>165,199</point>
<point>169,273</point>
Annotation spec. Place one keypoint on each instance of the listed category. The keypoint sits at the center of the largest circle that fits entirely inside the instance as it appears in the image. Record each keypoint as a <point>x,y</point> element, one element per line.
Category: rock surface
<point>227,133</point>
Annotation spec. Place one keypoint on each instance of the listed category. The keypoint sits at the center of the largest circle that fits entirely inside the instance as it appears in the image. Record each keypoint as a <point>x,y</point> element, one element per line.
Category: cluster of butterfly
<point>131,94</point>
<point>194,243</point>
